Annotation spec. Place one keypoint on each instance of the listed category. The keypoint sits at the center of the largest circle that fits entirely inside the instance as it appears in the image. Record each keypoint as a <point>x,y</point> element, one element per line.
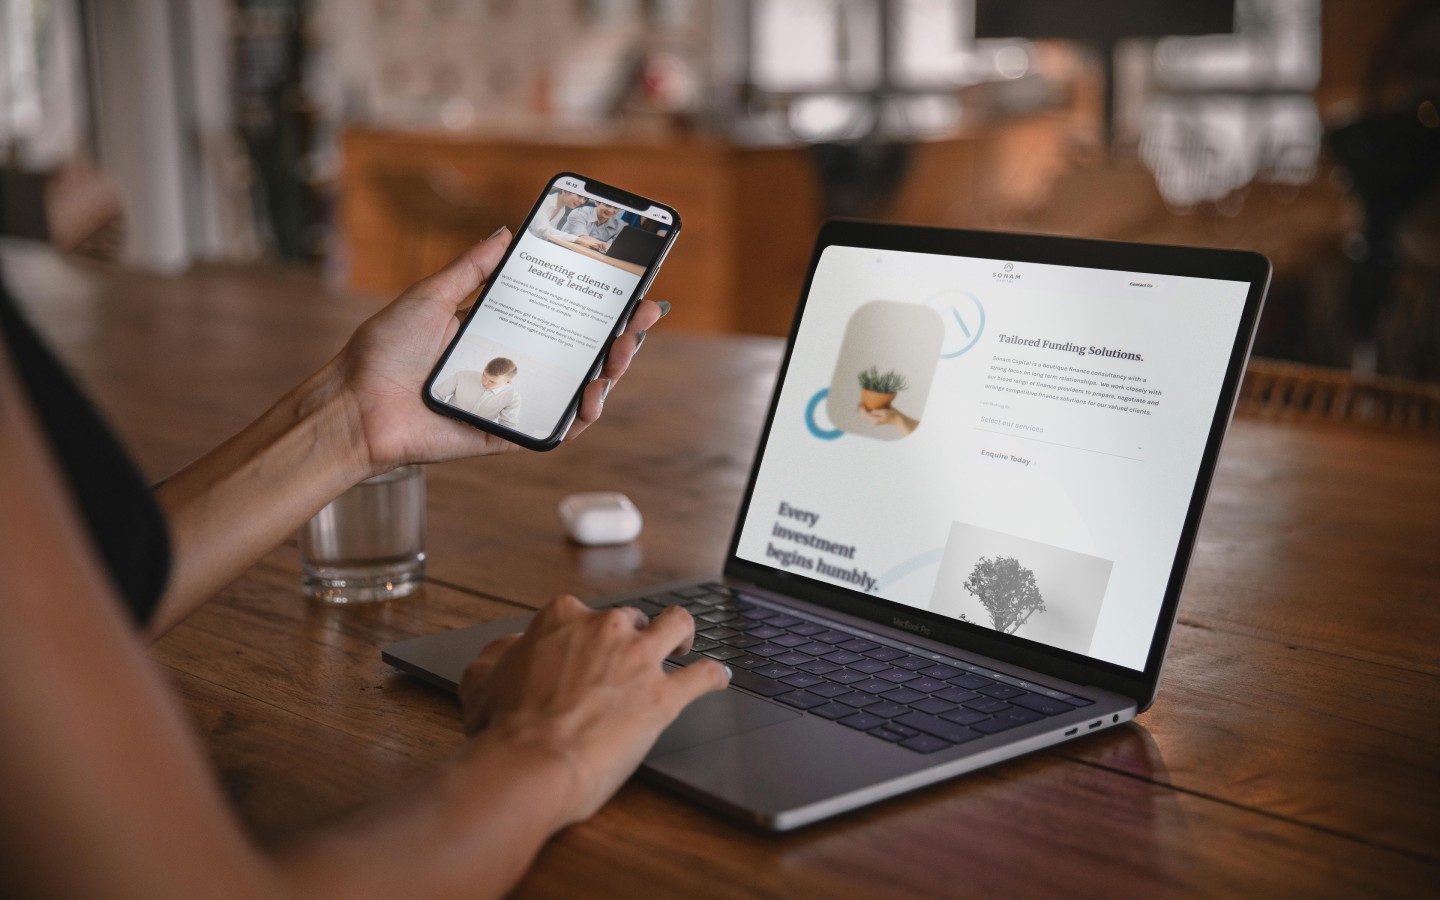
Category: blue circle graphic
<point>974,312</point>
<point>824,434</point>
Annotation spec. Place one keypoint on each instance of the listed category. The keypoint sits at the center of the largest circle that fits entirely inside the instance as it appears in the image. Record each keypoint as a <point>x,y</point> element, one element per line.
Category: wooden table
<point>1293,749</point>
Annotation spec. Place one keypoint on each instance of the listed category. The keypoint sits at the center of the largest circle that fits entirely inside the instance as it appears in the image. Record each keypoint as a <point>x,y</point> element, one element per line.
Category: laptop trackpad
<point>716,716</point>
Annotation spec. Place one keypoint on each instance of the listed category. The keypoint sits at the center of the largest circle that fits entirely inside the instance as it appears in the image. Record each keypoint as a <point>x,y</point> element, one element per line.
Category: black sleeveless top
<point>125,524</point>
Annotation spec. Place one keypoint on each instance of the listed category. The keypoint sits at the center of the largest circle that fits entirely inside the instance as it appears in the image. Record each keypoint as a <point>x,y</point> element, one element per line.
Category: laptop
<point>967,525</point>
<point>635,245</point>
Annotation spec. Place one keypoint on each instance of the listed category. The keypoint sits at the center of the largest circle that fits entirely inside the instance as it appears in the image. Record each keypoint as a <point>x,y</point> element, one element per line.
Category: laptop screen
<point>1010,444</point>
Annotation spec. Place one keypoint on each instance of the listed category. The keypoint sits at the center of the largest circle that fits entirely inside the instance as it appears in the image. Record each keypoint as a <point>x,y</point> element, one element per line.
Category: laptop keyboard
<point>921,704</point>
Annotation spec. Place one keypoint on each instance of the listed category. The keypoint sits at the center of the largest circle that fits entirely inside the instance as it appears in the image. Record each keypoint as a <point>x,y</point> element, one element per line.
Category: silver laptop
<point>967,526</point>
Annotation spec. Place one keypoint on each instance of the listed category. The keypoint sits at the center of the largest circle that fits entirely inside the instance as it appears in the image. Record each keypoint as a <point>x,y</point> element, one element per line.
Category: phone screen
<point>542,325</point>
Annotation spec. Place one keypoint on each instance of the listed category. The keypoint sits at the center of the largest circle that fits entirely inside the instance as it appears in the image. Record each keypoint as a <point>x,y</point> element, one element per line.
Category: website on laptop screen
<point>1012,445</point>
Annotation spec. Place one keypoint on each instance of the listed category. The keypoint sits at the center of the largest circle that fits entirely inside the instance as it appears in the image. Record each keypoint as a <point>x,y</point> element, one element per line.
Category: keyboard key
<point>783,621</point>
<point>862,722</point>
<point>911,662</point>
<point>842,657</point>
<point>902,729</point>
<point>1001,691</point>
<point>742,641</point>
<point>870,666</point>
<point>1078,701</point>
<point>763,630</point>
<point>873,686</point>
<point>928,685</point>
<point>963,716</point>
<point>858,645</point>
<point>942,672</point>
<point>723,653</point>
<point>700,645</point>
<point>858,700</point>
<point>1042,704</point>
<point>884,654</point>
<point>720,616</point>
<point>815,648</point>
<point>829,689</point>
<point>765,687</point>
<point>987,705</point>
<point>847,676</point>
<point>886,709</point>
<point>791,658</point>
<point>1008,718</point>
<point>924,743</point>
<point>805,629</point>
<point>716,587</point>
<point>650,609</point>
<point>805,680</point>
<point>695,607</point>
<point>787,640</point>
<point>767,650</point>
<point>802,699</point>
<point>817,667</point>
<point>747,662</point>
<point>774,670</point>
<point>832,637</point>
<point>971,682</point>
<point>946,731</point>
<point>692,592</point>
<point>718,633</point>
<point>886,734</point>
<point>756,613</point>
<point>667,599</point>
<point>956,695</point>
<point>834,711</point>
<point>902,695</point>
<point>897,676</point>
<point>928,705</point>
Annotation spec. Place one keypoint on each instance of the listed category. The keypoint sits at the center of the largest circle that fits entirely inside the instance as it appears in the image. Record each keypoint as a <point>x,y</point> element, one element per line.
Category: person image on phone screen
<point>595,226</point>
<point>490,394</point>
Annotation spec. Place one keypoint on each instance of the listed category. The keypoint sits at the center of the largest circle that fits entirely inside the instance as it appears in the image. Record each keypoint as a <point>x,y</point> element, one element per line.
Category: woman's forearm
<point>231,506</point>
<point>472,833</point>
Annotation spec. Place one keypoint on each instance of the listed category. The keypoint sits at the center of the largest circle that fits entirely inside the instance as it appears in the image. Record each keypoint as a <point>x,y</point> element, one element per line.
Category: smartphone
<point>542,326</point>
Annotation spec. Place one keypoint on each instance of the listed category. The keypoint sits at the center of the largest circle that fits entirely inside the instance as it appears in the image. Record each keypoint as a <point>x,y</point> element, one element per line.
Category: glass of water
<point>369,543</point>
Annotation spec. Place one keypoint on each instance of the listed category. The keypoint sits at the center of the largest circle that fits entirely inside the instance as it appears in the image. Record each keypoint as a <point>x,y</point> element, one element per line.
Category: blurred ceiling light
<point>827,117</point>
<point>1012,61</point>
<point>457,113</point>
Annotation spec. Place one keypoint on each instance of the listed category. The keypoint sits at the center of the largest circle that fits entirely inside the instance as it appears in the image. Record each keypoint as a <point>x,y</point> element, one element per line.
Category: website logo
<point>1009,273</point>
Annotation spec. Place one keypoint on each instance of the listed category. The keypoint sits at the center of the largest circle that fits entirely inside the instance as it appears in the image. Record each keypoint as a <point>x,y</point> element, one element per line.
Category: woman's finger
<point>559,611</point>
<point>672,632</point>
<point>699,678</point>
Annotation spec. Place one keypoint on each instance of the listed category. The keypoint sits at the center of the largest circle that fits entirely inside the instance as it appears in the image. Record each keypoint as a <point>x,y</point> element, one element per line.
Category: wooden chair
<point>1274,389</point>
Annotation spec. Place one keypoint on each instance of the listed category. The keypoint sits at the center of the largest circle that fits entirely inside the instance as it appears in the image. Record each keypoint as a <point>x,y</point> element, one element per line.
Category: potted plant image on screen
<point>884,369</point>
<point>878,389</point>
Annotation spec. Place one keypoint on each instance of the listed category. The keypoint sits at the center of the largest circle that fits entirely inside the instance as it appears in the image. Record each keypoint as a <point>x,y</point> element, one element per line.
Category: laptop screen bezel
<point>1194,262</point>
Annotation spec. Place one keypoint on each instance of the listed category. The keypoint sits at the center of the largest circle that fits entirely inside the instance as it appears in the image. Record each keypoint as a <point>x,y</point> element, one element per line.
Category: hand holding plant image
<point>877,393</point>
<point>890,349</point>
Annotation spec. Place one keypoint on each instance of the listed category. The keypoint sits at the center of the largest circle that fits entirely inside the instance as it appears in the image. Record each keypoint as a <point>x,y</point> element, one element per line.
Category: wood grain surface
<point>1292,750</point>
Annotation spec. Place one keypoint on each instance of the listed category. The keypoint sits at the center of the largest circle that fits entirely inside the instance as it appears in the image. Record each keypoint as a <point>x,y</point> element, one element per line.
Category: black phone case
<point>550,442</point>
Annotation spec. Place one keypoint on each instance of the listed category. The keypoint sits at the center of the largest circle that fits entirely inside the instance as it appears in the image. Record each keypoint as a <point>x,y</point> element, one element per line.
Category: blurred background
<point>370,140</point>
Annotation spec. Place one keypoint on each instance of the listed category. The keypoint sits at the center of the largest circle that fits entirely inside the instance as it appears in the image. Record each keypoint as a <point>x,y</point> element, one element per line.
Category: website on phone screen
<point>1008,444</point>
<point>547,316</point>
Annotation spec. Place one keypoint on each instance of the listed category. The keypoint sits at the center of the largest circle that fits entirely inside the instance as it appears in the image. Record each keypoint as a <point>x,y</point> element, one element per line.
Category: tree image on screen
<point>1007,590</point>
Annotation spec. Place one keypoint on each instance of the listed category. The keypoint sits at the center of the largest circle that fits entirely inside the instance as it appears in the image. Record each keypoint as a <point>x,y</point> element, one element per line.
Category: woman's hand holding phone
<point>391,354</point>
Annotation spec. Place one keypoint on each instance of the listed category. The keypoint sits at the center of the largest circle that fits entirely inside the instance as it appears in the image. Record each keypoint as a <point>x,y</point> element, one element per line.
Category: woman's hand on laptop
<point>586,688</point>
<point>381,370</point>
